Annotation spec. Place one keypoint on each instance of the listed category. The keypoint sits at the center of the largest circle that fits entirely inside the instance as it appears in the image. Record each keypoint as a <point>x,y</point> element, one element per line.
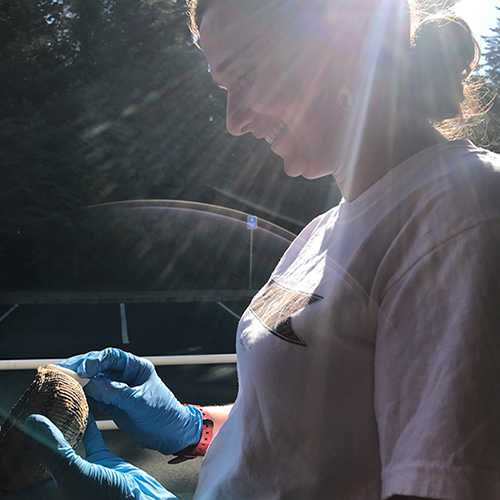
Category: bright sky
<point>480,15</point>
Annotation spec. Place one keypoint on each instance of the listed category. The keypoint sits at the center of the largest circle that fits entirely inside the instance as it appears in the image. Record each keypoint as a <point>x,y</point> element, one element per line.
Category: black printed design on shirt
<point>274,309</point>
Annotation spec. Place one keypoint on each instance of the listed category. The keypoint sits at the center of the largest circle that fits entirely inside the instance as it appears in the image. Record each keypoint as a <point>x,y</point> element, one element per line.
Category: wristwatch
<point>200,448</point>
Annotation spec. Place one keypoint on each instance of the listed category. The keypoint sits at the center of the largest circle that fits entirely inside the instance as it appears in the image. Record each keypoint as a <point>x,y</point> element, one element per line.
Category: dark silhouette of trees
<point>106,100</point>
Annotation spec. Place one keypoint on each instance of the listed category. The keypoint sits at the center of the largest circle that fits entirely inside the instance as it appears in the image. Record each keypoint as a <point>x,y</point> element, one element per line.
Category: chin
<point>315,175</point>
<point>292,172</point>
<point>295,165</point>
<point>296,168</point>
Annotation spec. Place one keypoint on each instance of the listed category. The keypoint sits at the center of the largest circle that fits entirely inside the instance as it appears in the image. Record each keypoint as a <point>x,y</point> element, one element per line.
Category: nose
<point>238,115</point>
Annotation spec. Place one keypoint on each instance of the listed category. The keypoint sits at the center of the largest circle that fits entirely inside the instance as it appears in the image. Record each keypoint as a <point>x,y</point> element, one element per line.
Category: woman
<point>369,363</point>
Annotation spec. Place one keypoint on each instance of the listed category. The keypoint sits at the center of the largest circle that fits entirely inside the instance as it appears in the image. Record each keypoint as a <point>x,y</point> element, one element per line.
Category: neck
<point>382,149</point>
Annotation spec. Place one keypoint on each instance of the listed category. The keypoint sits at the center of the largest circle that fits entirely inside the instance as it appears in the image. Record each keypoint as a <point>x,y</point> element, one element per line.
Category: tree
<point>487,131</point>
<point>492,53</point>
<point>110,100</point>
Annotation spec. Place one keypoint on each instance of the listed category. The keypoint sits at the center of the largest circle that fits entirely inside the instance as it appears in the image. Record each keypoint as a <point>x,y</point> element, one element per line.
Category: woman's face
<point>281,86</point>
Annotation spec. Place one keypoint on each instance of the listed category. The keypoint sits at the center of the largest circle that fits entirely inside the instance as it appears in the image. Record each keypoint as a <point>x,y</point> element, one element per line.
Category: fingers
<point>122,420</point>
<point>95,362</point>
<point>47,440</point>
<point>111,393</point>
<point>96,450</point>
<point>65,466</point>
<point>92,439</point>
<point>107,478</point>
<point>104,408</point>
<point>76,477</point>
<point>110,359</point>
<point>72,363</point>
<point>112,362</point>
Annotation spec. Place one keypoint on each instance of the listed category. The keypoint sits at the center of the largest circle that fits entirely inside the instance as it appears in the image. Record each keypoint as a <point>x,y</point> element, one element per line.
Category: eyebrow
<point>222,67</point>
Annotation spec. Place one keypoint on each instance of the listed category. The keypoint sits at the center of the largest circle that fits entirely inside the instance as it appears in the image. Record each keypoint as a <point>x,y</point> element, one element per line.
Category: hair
<point>442,54</point>
<point>196,9</point>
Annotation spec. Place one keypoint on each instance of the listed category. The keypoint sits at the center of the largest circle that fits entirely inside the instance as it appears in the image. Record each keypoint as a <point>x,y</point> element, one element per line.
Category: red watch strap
<point>199,449</point>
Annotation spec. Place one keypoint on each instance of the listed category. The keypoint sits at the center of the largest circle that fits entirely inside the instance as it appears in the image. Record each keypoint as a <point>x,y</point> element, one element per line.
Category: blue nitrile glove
<point>101,476</point>
<point>128,389</point>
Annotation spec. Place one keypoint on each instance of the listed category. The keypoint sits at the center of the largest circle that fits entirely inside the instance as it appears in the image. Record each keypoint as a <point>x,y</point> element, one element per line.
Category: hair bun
<point>444,53</point>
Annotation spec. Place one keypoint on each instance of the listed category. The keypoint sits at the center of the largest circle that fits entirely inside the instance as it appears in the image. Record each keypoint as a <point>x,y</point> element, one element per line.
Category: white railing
<point>198,359</point>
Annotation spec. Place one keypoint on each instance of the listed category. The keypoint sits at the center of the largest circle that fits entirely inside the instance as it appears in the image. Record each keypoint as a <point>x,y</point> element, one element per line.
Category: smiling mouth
<point>271,136</point>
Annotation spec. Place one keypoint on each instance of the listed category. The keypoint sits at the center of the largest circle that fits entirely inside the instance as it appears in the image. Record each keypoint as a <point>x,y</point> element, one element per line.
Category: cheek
<point>274,91</point>
<point>264,96</point>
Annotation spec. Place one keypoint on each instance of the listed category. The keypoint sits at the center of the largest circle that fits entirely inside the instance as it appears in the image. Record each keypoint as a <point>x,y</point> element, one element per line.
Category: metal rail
<point>201,359</point>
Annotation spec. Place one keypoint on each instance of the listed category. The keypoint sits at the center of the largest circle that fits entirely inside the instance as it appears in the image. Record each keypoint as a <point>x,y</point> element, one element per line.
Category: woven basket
<point>56,396</point>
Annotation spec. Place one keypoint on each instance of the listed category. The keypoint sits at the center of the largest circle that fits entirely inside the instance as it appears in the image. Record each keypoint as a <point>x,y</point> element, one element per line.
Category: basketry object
<point>58,397</point>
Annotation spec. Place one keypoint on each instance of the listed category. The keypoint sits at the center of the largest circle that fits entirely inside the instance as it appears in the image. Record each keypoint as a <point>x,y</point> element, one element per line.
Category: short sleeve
<point>437,372</point>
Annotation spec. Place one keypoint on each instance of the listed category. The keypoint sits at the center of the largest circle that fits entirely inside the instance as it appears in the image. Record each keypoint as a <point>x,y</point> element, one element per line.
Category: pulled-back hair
<point>441,54</point>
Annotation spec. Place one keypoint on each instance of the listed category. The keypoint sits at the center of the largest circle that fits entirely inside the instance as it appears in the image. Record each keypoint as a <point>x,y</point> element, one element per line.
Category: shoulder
<point>448,167</point>
<point>467,176</point>
<point>446,211</point>
<point>460,189</point>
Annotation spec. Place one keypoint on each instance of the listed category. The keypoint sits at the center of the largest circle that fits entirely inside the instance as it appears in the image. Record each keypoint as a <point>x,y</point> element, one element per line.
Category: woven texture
<point>56,396</point>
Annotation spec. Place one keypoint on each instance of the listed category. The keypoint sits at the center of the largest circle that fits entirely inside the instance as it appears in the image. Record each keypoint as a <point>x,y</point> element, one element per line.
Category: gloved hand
<point>102,476</point>
<point>128,389</point>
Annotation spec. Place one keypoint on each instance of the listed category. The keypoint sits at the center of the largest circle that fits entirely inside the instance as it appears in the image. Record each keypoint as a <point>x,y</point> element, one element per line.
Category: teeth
<point>271,136</point>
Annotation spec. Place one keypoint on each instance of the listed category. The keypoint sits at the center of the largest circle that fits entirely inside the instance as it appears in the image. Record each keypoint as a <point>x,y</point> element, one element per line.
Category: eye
<point>245,75</point>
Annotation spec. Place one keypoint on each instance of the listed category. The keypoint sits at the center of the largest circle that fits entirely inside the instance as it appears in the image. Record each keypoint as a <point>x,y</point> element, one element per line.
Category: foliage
<point>492,53</point>
<point>487,132</point>
<point>108,100</point>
